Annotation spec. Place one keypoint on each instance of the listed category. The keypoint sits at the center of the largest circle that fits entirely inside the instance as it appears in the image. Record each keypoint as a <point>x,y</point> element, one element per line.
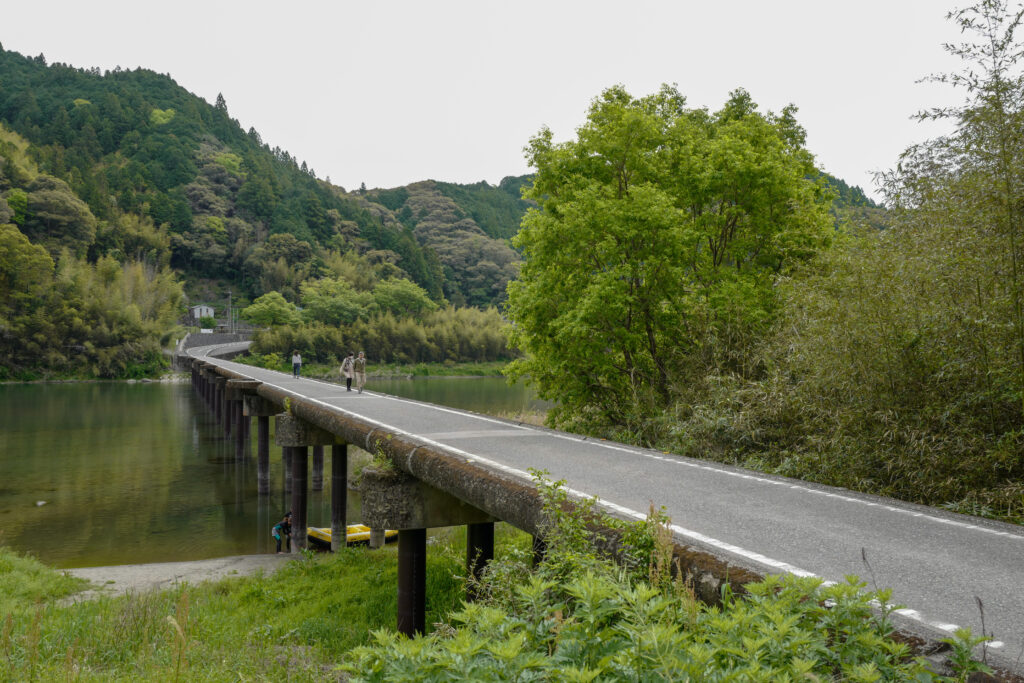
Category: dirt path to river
<point>139,578</point>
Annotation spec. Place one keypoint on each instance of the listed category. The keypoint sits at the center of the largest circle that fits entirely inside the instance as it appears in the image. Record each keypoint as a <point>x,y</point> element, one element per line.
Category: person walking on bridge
<point>296,363</point>
<point>348,370</point>
<point>360,370</point>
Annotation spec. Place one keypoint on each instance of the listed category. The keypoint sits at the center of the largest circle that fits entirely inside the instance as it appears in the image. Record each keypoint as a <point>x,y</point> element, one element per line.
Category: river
<point>121,473</point>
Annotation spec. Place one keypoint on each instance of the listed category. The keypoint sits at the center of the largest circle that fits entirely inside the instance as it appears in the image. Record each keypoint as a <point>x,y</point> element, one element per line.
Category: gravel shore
<point>139,578</point>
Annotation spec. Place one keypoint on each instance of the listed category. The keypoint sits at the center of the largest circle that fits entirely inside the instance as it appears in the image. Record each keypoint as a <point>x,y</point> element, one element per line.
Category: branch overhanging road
<point>937,563</point>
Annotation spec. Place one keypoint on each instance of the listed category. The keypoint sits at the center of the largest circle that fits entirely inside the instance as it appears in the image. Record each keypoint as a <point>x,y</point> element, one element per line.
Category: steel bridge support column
<point>412,581</point>
<point>479,553</point>
<point>339,495</point>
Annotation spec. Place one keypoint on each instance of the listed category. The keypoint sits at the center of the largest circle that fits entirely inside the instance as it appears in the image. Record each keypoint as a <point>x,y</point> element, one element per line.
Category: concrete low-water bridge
<point>730,525</point>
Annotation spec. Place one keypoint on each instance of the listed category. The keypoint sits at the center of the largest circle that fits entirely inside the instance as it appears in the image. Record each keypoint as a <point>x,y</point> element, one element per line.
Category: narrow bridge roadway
<point>936,562</point>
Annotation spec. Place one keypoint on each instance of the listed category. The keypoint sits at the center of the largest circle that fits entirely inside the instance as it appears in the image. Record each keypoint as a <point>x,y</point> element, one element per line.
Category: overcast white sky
<point>388,93</point>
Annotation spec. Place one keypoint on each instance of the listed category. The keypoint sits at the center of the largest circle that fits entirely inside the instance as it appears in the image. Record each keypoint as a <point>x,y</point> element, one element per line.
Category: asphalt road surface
<point>937,563</point>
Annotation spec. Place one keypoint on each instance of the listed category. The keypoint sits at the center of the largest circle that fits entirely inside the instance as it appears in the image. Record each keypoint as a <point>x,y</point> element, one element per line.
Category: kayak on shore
<point>357,533</point>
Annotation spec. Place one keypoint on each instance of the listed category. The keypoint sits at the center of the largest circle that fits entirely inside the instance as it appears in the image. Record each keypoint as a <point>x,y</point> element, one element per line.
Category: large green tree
<point>651,258</point>
<point>900,357</point>
<point>271,309</point>
<point>333,301</point>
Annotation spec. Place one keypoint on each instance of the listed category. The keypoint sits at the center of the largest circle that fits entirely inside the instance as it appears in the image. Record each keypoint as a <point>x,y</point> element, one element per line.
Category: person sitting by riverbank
<point>283,531</point>
<point>347,370</point>
<point>360,369</point>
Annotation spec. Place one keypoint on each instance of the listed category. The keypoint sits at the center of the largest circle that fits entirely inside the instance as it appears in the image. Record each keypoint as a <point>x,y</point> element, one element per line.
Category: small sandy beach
<point>139,578</point>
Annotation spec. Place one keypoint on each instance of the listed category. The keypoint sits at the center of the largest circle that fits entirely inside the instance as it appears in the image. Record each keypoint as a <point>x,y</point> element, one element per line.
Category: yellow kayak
<point>357,533</point>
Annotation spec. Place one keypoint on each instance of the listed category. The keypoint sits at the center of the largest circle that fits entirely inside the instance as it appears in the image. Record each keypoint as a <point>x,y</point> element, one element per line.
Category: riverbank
<point>331,371</point>
<point>168,378</point>
<point>140,578</point>
<point>294,620</point>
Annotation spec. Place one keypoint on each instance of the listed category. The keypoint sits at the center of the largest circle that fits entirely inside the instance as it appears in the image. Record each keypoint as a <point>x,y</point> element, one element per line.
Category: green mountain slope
<point>443,217</point>
<point>135,143</point>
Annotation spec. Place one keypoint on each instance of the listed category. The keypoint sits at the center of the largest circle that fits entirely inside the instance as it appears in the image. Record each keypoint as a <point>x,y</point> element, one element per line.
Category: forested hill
<point>165,175</point>
<point>146,156</point>
<point>467,226</point>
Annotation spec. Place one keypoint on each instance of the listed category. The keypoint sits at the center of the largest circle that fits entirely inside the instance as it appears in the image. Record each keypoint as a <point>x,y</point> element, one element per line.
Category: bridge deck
<point>935,561</point>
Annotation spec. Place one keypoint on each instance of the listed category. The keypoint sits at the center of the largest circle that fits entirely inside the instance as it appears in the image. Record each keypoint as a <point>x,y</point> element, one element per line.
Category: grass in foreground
<point>577,617</point>
<point>580,617</point>
<point>296,624</point>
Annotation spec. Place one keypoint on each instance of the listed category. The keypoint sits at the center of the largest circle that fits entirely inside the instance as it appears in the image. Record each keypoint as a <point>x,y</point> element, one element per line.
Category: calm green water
<point>133,473</point>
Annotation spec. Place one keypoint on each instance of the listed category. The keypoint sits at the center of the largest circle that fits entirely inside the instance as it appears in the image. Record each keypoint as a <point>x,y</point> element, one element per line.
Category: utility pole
<point>231,321</point>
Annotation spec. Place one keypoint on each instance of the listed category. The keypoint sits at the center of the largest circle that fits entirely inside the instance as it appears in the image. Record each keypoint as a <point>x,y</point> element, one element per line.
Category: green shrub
<point>581,617</point>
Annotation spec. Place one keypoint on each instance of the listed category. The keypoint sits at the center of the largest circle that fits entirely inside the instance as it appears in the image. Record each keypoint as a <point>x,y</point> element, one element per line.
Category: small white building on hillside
<point>202,311</point>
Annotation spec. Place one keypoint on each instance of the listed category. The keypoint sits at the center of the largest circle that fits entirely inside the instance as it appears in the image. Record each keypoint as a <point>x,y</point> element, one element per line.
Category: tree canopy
<point>652,255</point>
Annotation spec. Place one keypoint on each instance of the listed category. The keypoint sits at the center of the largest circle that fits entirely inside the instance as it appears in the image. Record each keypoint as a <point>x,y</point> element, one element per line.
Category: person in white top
<point>348,370</point>
<point>296,363</point>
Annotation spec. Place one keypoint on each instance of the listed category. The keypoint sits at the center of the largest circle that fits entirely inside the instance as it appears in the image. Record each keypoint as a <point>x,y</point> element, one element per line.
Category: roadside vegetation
<point>582,616</point>
<point>685,289</point>
<point>389,333</point>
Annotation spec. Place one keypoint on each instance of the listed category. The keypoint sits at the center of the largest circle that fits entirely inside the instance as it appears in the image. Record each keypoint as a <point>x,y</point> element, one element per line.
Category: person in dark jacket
<point>283,531</point>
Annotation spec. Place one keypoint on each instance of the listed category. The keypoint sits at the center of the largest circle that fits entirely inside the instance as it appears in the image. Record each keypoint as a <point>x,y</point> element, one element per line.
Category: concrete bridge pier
<point>211,390</point>
<point>206,386</point>
<point>262,409</point>
<point>286,469</point>
<point>262,455</point>
<point>395,500</point>
<point>318,468</point>
<point>237,390</point>
<point>227,407</point>
<point>339,496</point>
<point>300,496</point>
<point>479,553</point>
<point>238,425</point>
<point>297,436</point>
<point>412,581</point>
<point>218,397</point>
<point>540,548</point>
